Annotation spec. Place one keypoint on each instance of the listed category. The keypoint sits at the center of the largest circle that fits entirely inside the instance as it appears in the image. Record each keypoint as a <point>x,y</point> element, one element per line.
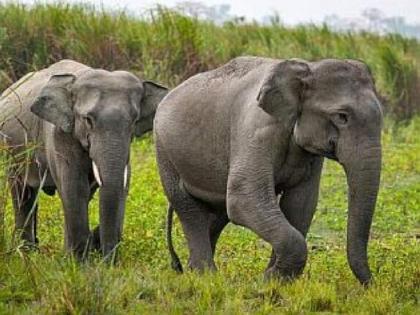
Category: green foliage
<point>49,282</point>
<point>168,47</point>
<point>403,76</point>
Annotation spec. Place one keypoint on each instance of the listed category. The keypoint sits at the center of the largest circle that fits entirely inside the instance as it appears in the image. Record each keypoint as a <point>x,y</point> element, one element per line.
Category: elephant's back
<point>30,84</point>
<point>16,100</point>
<point>203,108</point>
<point>66,66</point>
<point>15,115</point>
<point>207,99</point>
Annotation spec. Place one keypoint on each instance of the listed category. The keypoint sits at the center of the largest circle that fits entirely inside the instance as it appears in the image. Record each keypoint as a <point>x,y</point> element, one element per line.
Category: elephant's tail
<point>175,262</point>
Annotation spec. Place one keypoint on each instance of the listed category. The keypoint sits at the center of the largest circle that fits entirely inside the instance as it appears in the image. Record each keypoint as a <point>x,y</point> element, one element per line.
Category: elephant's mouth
<point>328,152</point>
<point>331,152</point>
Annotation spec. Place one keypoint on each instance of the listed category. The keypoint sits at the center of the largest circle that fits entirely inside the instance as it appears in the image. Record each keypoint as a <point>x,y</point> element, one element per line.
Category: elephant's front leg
<point>75,196</point>
<point>71,175</point>
<point>299,203</point>
<point>253,204</point>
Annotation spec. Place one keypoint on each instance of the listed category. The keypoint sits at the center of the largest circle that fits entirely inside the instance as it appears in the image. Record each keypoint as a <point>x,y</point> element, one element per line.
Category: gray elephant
<point>245,143</point>
<point>79,122</point>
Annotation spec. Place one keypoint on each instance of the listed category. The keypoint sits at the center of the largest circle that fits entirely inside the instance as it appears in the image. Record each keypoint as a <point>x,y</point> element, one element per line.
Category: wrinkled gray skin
<point>77,117</point>
<point>233,141</point>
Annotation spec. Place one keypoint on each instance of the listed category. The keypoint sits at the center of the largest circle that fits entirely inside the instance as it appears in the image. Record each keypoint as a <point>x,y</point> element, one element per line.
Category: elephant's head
<point>102,110</point>
<point>331,109</point>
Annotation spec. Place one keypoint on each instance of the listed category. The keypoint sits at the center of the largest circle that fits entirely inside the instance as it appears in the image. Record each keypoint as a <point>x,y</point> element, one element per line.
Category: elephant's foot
<point>202,266</point>
<point>79,247</point>
<point>284,272</point>
<point>95,245</point>
<point>29,245</point>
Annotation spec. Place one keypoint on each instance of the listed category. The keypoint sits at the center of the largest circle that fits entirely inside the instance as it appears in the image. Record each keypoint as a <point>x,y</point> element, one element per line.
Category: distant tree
<point>374,20</point>
<point>272,19</point>
<point>216,13</point>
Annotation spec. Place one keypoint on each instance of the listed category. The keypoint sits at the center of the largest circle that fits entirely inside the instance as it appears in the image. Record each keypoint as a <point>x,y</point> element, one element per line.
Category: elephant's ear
<point>282,91</point>
<point>54,102</point>
<point>153,93</point>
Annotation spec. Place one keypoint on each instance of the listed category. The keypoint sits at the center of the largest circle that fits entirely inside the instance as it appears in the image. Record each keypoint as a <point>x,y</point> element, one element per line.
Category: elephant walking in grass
<point>231,140</point>
<point>80,122</point>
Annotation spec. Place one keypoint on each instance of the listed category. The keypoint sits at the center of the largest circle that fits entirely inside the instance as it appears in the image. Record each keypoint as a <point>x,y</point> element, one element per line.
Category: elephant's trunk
<point>112,168</point>
<point>363,176</point>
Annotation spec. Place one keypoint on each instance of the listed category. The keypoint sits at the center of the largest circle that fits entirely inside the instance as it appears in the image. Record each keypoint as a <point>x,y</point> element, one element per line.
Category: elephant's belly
<point>202,177</point>
<point>205,181</point>
<point>201,163</point>
<point>216,199</point>
<point>39,175</point>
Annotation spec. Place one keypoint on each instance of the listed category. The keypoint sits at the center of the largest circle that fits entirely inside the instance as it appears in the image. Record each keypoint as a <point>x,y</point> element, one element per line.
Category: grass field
<point>49,282</point>
<point>169,48</point>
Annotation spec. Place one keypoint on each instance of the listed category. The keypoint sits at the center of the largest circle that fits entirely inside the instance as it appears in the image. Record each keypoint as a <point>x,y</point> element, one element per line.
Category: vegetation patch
<point>168,47</point>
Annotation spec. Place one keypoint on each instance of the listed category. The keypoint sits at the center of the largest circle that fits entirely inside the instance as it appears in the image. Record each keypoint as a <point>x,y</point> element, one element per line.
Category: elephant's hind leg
<point>194,217</point>
<point>193,214</point>
<point>218,221</point>
<point>24,204</point>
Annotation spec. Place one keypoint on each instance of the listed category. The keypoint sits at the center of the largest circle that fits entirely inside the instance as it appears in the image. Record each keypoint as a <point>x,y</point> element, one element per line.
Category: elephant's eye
<point>340,118</point>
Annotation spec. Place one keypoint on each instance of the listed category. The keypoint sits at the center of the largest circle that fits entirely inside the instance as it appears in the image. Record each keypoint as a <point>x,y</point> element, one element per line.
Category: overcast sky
<point>290,11</point>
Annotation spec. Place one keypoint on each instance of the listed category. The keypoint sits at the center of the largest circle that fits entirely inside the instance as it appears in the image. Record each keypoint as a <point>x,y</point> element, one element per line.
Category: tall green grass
<point>166,46</point>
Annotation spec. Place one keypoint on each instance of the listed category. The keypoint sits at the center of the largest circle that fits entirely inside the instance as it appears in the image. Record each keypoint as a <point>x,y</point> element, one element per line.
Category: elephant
<point>245,143</point>
<point>78,123</point>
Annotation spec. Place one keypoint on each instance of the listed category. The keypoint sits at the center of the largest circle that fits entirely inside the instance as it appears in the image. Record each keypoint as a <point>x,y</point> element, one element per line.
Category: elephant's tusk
<point>125,176</point>
<point>96,173</point>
